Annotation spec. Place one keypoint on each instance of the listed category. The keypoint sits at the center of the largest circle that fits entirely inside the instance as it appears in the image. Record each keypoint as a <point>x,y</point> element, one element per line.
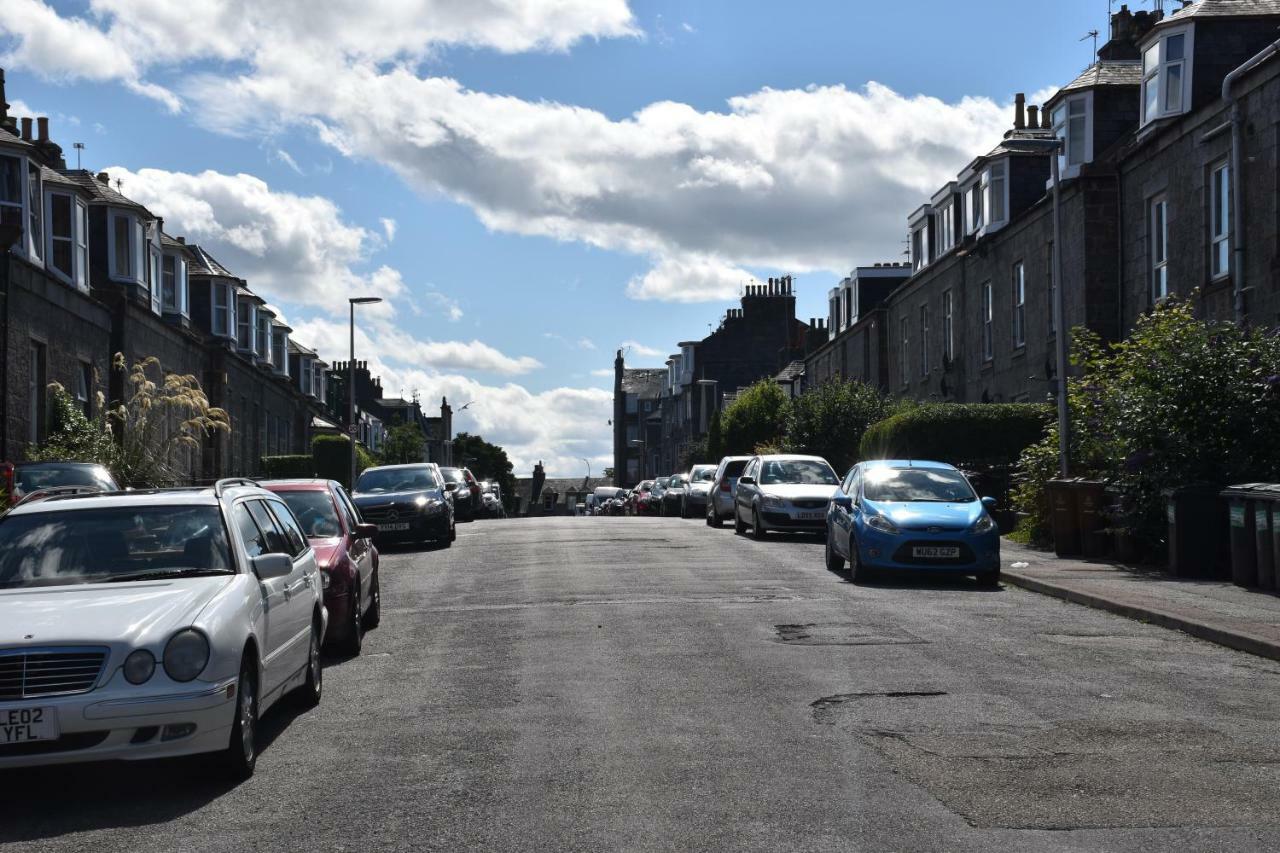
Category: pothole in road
<point>843,634</point>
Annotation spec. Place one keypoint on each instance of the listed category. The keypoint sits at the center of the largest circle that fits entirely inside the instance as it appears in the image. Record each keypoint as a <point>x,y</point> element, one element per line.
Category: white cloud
<point>604,371</point>
<point>689,279</point>
<point>637,348</point>
<point>446,304</point>
<point>388,228</point>
<point>392,345</point>
<point>287,158</point>
<point>586,343</point>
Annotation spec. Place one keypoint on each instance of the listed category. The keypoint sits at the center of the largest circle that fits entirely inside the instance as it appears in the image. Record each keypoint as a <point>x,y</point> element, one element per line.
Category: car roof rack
<point>59,491</point>
<point>226,482</point>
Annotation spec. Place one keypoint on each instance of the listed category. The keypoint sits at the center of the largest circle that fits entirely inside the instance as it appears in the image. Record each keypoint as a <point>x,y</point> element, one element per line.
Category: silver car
<point>723,485</point>
<point>784,492</point>
<point>696,494</point>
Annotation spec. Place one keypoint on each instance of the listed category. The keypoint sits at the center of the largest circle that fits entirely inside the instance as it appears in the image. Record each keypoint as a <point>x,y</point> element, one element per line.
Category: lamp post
<point>588,461</point>
<point>351,381</point>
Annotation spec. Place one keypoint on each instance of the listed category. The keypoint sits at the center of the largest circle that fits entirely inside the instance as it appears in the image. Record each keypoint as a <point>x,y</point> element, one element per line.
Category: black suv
<point>407,502</point>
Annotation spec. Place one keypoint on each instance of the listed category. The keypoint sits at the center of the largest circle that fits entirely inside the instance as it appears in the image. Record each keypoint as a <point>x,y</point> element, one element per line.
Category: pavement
<point>1213,610</point>
<point>588,684</point>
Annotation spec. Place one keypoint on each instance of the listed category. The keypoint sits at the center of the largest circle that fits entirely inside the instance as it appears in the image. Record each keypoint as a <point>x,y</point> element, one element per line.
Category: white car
<point>152,624</point>
<point>783,492</point>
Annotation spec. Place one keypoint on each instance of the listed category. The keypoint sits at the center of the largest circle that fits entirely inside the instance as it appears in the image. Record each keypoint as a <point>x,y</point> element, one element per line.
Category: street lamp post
<point>351,381</point>
<point>588,461</point>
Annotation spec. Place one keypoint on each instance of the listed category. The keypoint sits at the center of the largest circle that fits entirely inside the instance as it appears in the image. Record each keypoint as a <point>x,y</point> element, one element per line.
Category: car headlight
<point>772,501</point>
<point>186,655</point>
<point>884,525</point>
<point>986,524</point>
<point>139,666</point>
<point>421,500</point>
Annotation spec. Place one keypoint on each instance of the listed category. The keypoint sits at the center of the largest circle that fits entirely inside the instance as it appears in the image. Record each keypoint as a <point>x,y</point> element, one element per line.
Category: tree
<point>715,438</point>
<point>830,420</point>
<point>73,437</point>
<point>487,462</point>
<point>757,418</point>
<point>405,443</point>
<point>608,473</point>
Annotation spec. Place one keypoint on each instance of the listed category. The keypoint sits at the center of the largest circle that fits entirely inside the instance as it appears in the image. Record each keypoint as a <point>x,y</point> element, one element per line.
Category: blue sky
<point>562,177</point>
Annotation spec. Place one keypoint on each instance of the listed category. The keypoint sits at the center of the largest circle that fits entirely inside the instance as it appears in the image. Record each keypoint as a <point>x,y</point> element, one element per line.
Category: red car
<point>345,553</point>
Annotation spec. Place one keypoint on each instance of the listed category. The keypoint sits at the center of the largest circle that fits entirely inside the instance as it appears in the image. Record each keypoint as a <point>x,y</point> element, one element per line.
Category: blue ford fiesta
<point>907,515</point>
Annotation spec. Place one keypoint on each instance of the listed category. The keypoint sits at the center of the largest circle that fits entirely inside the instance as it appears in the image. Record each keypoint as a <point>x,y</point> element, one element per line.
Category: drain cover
<point>838,634</point>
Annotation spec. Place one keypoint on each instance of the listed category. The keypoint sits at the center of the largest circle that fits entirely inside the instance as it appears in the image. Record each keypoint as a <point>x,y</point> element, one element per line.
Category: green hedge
<point>985,434</point>
<point>331,455</point>
<point>287,467</point>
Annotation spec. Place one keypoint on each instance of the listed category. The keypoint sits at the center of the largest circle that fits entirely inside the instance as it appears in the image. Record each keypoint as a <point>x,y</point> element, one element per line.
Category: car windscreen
<point>315,512</point>
<point>703,474</point>
<point>32,478</point>
<point>111,544</point>
<point>908,485</point>
<point>378,480</point>
<point>452,475</point>
<point>734,469</point>
<point>803,472</point>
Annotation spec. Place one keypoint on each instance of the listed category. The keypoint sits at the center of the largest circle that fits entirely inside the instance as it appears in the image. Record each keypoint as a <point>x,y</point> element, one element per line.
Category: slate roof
<point>204,264</point>
<point>13,139</point>
<point>559,485</point>
<point>296,348</point>
<point>103,193</point>
<point>1223,9</point>
<point>1111,72</point>
<point>791,372</point>
<point>644,381</point>
<point>52,176</point>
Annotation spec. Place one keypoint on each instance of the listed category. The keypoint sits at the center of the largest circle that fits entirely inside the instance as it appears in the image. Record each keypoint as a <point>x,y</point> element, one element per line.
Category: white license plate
<point>930,552</point>
<point>21,725</point>
<point>811,516</point>
<point>391,528</point>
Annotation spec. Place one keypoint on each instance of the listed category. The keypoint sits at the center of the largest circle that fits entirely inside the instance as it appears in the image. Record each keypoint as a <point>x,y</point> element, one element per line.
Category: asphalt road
<point>649,684</point>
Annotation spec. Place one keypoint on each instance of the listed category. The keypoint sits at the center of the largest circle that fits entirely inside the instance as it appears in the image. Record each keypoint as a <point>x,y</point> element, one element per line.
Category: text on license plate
<point>399,525</point>
<point>934,552</point>
<point>20,725</point>
<point>811,516</point>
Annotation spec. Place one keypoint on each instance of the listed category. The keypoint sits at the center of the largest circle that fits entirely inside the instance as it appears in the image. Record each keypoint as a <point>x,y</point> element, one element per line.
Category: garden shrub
<point>963,434</point>
<point>288,467</point>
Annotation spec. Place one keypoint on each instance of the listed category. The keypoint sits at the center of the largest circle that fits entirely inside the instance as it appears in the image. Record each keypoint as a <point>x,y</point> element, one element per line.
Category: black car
<point>24,479</point>
<point>409,503</point>
<point>465,498</point>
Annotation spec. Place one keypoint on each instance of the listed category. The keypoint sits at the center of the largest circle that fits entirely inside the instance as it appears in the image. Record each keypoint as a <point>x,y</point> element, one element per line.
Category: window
<point>1019,305</point>
<point>82,245</point>
<point>121,247</point>
<point>1219,221</point>
<point>153,276</point>
<point>1071,124</point>
<point>1158,240</point>
<point>224,314</point>
<point>11,206</point>
<point>948,328</point>
<point>61,236</point>
<point>37,393</point>
<point>995,192</point>
<point>264,347</point>
<point>987,349</point>
<point>169,284</point>
<point>246,326</point>
<point>946,218</point>
<point>924,341</point>
<point>1166,76</point>
<point>34,210</point>
<point>904,370</point>
<point>287,522</point>
<point>272,536</point>
<point>919,248</point>
<point>974,209</point>
<point>84,388</point>
<point>255,543</point>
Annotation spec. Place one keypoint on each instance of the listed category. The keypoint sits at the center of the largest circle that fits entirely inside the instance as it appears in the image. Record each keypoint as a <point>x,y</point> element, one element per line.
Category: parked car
<point>491,500</point>
<point>673,494</point>
<point>638,501</point>
<point>153,624</point>
<point>466,501</point>
<point>723,484</point>
<point>656,493</point>
<point>783,492</point>
<point>608,500</point>
<point>407,502</point>
<point>24,479</point>
<point>694,500</point>
<point>345,552</point>
<point>900,515</point>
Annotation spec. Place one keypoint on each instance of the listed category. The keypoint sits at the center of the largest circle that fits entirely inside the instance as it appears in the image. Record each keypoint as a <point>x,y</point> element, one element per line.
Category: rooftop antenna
<point>79,146</point>
<point>119,184</point>
<point>1093,34</point>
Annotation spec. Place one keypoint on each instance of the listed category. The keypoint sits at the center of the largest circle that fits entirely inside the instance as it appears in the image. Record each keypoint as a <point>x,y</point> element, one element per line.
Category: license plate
<point>932,552</point>
<point>811,516</point>
<point>391,528</point>
<point>22,725</point>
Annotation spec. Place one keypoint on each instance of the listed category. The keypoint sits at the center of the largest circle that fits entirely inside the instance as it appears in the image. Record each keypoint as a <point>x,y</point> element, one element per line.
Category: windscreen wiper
<point>160,574</point>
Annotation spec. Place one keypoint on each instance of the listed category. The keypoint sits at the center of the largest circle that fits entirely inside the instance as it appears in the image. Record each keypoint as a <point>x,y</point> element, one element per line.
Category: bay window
<point>246,325</point>
<point>264,347</point>
<point>280,348</point>
<point>224,309</point>
<point>973,209</point>
<point>62,236</point>
<point>35,238</point>
<point>1072,125</point>
<point>1219,221</point>
<point>1166,75</point>
<point>175,289</point>
<point>128,255</point>
<point>153,276</point>
<point>1158,243</point>
<point>11,191</point>
<point>995,192</point>
<point>946,220</point>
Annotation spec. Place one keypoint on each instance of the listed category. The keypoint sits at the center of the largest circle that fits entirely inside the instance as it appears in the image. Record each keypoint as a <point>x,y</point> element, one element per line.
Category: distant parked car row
<point>886,515</point>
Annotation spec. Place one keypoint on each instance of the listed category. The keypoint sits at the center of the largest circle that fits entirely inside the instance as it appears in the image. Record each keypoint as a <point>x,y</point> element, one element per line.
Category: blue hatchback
<point>907,515</point>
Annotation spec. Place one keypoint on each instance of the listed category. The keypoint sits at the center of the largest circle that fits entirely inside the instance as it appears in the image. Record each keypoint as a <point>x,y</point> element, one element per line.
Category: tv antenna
<point>1093,34</point>
<point>79,146</point>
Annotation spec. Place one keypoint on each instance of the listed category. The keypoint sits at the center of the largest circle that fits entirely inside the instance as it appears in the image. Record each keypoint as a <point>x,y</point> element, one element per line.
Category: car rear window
<point>32,478</point>
<point>734,469</point>
<point>315,512</point>
<point>808,472</point>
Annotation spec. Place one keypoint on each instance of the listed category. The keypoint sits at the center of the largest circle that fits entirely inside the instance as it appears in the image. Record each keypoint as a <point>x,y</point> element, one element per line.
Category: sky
<point>533,184</point>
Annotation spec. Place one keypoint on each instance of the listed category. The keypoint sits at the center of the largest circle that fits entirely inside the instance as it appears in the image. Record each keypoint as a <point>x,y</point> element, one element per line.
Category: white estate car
<point>151,624</point>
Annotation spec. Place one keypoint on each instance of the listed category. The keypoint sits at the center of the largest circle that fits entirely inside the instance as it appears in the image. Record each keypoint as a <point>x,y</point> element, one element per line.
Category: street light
<point>588,461</point>
<point>351,381</point>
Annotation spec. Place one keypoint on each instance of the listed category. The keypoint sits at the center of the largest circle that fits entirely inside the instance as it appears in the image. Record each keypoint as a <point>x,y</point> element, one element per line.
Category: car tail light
<point>7,483</point>
<point>724,485</point>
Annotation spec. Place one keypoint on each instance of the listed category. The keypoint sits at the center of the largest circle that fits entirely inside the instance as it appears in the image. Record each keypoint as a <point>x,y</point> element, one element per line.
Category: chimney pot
<point>104,179</point>
<point>26,128</point>
<point>1033,116</point>
<point>43,124</point>
<point>182,240</point>
<point>1019,111</point>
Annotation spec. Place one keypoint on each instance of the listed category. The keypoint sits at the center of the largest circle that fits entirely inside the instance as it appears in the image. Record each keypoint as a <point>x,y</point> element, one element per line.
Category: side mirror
<point>451,487</point>
<point>843,501</point>
<point>268,566</point>
<point>989,503</point>
<point>746,481</point>
<point>366,531</point>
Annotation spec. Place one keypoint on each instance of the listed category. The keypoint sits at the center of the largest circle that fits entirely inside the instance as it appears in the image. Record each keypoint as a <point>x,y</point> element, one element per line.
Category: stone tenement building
<point>754,341</point>
<point>86,272</point>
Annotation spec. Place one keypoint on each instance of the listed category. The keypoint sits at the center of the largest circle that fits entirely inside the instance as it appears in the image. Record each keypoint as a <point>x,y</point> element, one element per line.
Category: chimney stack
<point>1019,111</point>
<point>43,124</point>
<point>1033,116</point>
<point>104,179</point>
<point>26,128</point>
<point>4,105</point>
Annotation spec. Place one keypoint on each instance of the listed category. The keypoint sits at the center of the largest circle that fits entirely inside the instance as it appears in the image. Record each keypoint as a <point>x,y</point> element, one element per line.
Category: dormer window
<point>223,315</point>
<point>1072,124</point>
<point>126,249</point>
<point>995,195</point>
<point>280,349</point>
<point>153,265</point>
<point>921,251</point>
<point>973,209</point>
<point>68,238</point>
<point>263,342</point>
<point>35,240</point>
<point>946,221</point>
<point>1166,76</point>
<point>20,203</point>
<point>175,291</point>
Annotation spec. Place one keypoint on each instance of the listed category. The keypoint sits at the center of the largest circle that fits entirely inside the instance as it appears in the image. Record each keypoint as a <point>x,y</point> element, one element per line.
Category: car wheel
<point>835,562</point>
<point>311,690</point>
<point>738,527</point>
<point>758,532</point>
<point>684,509</point>
<point>355,625</point>
<point>241,755</point>
<point>989,579</point>
<point>453,529</point>
<point>713,517</point>
<point>858,573</point>
<point>373,615</point>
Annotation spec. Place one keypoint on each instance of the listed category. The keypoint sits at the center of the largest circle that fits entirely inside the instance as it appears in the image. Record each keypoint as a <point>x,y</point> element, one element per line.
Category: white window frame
<point>1219,220</point>
<point>1156,68</point>
<point>35,225</point>
<point>995,188</point>
<point>134,274</point>
<point>1158,245</point>
<point>988,332</point>
<point>924,340</point>
<point>1019,273</point>
<point>154,262</point>
<point>280,349</point>
<point>1065,118</point>
<point>18,207</point>
<point>948,327</point>
<point>81,248</point>
<point>904,369</point>
<point>247,320</point>
<point>263,342</point>
<point>73,276</point>
<point>227,306</point>
<point>946,213</point>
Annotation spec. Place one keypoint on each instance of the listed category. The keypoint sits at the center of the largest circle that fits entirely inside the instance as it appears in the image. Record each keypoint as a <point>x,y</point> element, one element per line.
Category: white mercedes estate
<point>150,624</point>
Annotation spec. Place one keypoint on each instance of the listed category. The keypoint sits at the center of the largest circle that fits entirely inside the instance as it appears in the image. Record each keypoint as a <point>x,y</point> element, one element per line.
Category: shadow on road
<point>45,802</point>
